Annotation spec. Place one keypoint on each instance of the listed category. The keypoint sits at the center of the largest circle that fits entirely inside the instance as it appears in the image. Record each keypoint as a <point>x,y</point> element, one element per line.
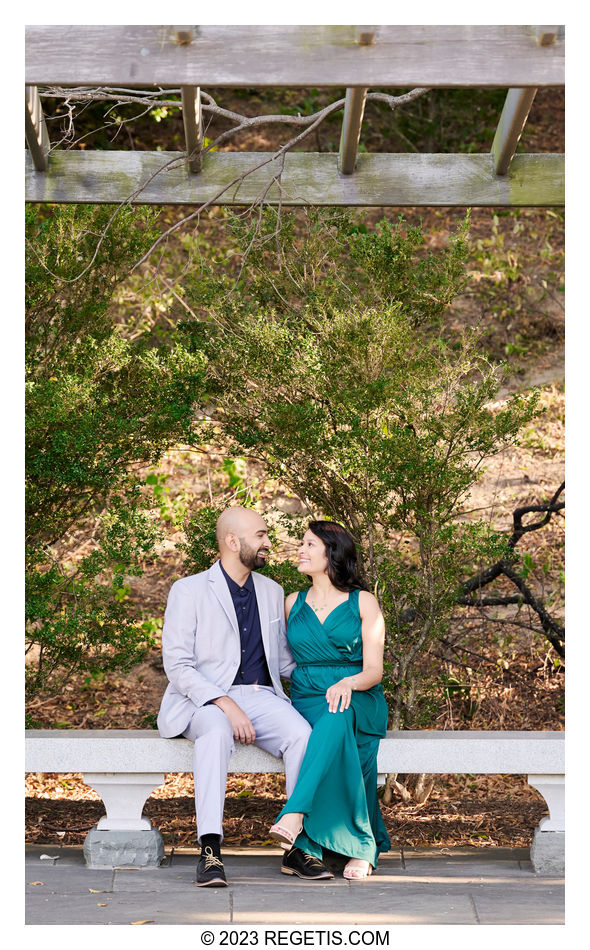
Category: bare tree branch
<point>554,632</point>
<point>489,601</point>
<point>469,594</point>
<point>151,100</point>
<point>551,508</point>
<point>126,96</point>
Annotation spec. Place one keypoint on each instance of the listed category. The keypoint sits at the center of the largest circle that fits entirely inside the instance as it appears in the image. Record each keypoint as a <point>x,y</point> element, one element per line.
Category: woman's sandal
<point>357,873</point>
<point>282,834</point>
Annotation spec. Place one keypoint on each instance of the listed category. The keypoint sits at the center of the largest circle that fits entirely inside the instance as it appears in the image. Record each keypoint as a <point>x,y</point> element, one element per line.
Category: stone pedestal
<point>548,847</point>
<point>124,837</point>
<point>548,852</point>
<point>124,795</point>
<point>117,849</point>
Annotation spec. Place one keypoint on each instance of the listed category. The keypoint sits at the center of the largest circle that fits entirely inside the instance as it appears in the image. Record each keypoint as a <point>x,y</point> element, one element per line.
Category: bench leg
<point>124,837</point>
<point>548,847</point>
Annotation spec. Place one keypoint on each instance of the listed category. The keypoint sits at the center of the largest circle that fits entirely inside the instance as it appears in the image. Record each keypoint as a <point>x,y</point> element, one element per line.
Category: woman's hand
<point>340,694</point>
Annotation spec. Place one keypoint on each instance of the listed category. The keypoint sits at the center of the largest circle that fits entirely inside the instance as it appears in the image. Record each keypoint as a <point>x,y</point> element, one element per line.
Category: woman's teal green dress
<point>337,785</point>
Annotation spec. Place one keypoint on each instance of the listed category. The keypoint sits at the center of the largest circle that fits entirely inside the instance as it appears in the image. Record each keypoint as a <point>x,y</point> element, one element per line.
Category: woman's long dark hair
<point>343,569</point>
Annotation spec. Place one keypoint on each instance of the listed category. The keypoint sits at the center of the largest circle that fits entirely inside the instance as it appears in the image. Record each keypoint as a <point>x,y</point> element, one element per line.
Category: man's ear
<point>232,542</point>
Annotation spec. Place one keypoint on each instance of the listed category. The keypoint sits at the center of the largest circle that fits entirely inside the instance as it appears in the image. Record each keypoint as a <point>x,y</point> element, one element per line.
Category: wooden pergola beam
<point>36,135</point>
<point>242,56</point>
<point>510,127</point>
<point>516,111</point>
<point>193,126</point>
<point>380,180</point>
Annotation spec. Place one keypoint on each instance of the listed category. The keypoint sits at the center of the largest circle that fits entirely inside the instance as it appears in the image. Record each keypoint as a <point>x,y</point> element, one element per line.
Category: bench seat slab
<point>125,766</point>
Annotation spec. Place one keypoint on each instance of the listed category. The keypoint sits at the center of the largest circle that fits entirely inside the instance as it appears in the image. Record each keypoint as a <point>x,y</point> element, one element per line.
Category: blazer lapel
<point>262,602</point>
<point>221,591</point>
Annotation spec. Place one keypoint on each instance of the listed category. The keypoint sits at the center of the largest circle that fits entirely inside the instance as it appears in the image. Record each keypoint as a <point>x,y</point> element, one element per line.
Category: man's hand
<point>242,727</point>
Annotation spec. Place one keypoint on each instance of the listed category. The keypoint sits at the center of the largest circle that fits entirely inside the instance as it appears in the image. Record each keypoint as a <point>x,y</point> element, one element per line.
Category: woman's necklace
<point>317,608</point>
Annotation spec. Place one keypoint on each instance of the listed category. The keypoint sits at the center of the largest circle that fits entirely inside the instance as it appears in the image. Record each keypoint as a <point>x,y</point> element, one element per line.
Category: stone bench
<point>125,765</point>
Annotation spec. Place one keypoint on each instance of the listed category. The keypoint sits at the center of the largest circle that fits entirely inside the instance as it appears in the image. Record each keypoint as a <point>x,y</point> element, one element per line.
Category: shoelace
<point>211,860</point>
<point>311,861</point>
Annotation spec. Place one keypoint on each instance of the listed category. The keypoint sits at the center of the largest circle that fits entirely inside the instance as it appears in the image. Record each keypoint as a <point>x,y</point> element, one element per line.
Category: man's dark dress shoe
<point>210,872</point>
<point>305,865</point>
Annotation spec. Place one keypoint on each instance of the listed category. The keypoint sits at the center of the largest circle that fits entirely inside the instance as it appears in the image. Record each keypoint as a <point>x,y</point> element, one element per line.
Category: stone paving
<point>421,886</point>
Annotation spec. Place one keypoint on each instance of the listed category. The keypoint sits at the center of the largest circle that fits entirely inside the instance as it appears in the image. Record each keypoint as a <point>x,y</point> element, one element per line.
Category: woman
<point>336,632</point>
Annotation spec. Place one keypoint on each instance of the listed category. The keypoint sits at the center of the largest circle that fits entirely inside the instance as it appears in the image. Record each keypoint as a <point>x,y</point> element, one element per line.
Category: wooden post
<point>183,35</point>
<point>365,35</point>
<point>546,35</point>
<point>351,129</point>
<point>36,135</point>
<point>193,127</point>
<point>512,121</point>
<point>353,113</point>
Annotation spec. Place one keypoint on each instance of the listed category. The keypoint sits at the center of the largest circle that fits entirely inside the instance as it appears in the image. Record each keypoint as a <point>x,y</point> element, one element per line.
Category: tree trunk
<point>410,787</point>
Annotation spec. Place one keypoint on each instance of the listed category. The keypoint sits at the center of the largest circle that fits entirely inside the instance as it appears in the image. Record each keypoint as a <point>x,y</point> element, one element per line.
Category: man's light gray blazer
<point>201,643</point>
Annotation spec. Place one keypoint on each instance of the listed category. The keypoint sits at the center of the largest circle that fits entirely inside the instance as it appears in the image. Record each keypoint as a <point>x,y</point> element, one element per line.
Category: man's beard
<point>250,557</point>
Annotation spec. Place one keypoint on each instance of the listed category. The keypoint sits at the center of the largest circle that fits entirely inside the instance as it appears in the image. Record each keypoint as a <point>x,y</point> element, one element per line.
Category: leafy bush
<point>330,364</point>
<point>98,405</point>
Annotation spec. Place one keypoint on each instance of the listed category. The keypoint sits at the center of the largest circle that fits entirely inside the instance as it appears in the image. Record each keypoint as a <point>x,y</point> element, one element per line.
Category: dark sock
<point>213,842</point>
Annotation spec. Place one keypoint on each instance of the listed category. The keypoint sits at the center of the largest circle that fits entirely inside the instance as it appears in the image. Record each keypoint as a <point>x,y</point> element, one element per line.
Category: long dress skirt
<point>337,785</point>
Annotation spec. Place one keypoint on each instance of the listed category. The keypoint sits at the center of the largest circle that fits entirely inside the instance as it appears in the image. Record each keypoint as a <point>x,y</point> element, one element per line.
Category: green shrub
<point>98,405</point>
<point>330,364</point>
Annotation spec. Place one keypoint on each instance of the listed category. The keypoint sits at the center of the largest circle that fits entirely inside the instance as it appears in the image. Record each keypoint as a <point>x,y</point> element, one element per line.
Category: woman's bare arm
<point>289,601</point>
<point>373,634</point>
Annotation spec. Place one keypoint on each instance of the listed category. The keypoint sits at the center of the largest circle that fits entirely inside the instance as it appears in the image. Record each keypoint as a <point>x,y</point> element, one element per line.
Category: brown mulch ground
<point>485,811</point>
<point>476,810</point>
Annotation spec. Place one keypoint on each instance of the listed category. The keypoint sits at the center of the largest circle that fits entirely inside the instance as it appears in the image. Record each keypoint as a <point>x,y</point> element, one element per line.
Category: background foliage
<point>316,346</point>
<point>327,360</point>
<point>487,668</point>
<point>98,405</point>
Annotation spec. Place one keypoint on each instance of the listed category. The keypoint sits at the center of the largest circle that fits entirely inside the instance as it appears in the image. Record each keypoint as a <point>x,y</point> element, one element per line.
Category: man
<point>225,648</point>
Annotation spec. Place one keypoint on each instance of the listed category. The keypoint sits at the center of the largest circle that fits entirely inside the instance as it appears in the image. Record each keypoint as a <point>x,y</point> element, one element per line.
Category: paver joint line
<point>474,908</point>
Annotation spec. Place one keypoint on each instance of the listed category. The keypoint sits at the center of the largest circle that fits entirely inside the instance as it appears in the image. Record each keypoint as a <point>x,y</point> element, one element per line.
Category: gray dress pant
<point>279,729</point>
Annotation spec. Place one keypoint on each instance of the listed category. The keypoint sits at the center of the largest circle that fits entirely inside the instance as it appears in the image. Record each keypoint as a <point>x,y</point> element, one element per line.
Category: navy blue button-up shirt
<point>253,666</point>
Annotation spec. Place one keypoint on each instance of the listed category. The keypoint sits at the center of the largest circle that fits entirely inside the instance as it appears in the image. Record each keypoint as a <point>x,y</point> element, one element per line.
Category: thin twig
<point>310,123</point>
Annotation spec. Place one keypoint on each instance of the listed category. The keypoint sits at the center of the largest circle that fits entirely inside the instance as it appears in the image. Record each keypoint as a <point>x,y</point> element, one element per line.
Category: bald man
<point>225,650</point>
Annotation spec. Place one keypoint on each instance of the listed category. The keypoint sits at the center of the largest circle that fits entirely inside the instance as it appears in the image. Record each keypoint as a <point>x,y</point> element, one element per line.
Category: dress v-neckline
<point>325,620</point>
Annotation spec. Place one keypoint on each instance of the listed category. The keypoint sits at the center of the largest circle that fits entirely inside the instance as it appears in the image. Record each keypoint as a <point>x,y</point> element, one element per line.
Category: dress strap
<point>297,604</point>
